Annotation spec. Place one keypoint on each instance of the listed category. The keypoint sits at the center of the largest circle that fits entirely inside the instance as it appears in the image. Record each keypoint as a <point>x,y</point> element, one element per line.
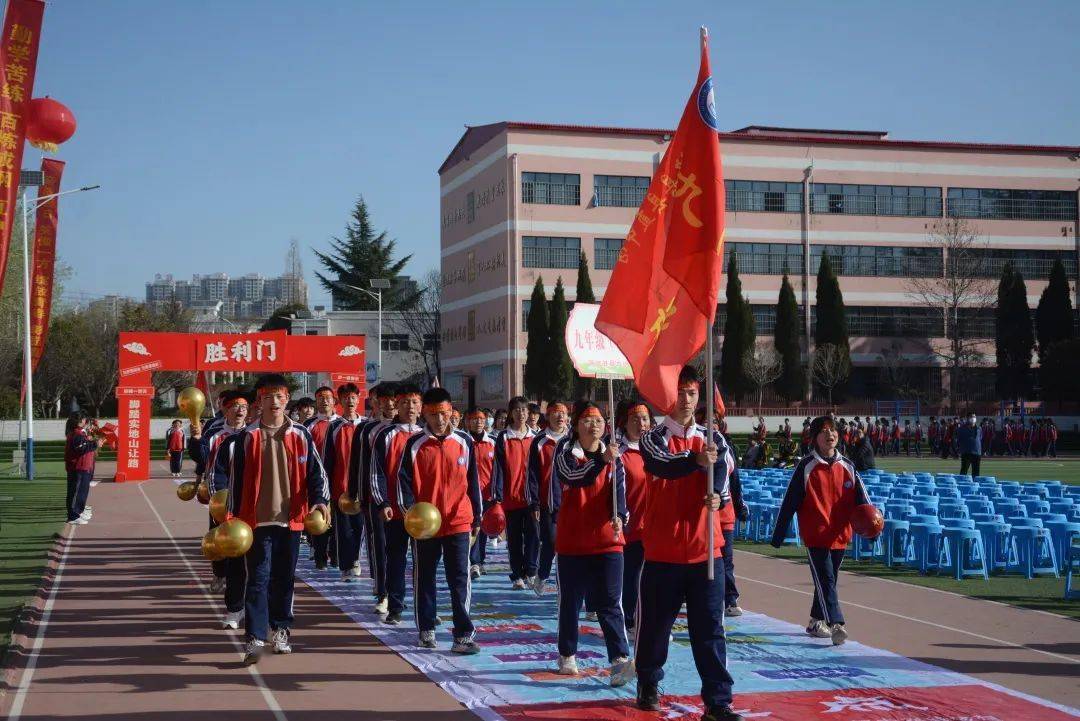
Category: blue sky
<point>220,130</point>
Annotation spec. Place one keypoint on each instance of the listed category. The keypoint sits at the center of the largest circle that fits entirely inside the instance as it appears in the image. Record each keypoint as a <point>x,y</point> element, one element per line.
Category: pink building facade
<point>521,201</point>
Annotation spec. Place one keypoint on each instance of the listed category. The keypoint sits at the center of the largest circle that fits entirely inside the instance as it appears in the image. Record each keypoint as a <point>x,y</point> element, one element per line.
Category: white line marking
<point>39,639</point>
<point>919,620</point>
<point>267,694</point>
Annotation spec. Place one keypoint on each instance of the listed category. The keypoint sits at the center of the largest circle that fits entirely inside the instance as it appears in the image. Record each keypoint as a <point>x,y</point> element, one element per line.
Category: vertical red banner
<point>18,60</point>
<point>133,445</point>
<point>41,271</point>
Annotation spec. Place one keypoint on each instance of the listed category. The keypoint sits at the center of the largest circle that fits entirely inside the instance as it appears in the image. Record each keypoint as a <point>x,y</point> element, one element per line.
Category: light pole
<point>379,284</point>
<point>28,363</point>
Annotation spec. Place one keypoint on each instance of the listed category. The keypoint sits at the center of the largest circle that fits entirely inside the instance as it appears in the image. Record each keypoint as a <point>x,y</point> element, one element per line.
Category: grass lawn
<point>31,515</point>
<point>1043,593</point>
<point>1066,470</point>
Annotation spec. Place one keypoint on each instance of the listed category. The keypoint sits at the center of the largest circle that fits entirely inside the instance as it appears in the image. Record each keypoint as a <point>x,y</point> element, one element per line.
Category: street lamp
<point>28,369</point>
<point>379,284</point>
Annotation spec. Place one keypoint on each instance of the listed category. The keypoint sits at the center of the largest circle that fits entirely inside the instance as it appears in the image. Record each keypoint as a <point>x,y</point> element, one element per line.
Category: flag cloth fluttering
<point>663,291</point>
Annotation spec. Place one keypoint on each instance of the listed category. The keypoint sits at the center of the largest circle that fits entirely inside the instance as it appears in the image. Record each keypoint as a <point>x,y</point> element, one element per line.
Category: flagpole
<point>611,414</point>
<point>710,392</point>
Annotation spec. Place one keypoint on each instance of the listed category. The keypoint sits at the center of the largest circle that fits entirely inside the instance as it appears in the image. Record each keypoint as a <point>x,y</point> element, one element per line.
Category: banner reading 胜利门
<point>18,60</point>
<point>41,279</point>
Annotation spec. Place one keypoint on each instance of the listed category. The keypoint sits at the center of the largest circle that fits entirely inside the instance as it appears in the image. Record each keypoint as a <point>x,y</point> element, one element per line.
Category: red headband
<point>232,402</point>
<point>401,396</point>
<point>265,390</point>
<point>440,407</point>
<point>555,407</point>
<point>639,408</point>
<point>591,411</point>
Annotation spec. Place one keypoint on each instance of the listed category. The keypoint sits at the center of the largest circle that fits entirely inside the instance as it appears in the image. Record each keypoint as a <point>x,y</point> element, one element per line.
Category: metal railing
<point>550,257</point>
<point>767,264</point>
<point>550,193</point>
<point>1030,268</point>
<point>898,325</point>
<point>763,201</point>
<point>618,196</point>
<point>1012,208</point>
<point>897,205</point>
<point>883,265</point>
<point>606,259</point>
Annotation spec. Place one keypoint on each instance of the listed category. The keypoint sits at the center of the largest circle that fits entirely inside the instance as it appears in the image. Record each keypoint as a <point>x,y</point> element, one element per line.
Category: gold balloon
<point>316,522</point>
<point>209,547</point>
<point>186,490</point>
<point>423,521</point>
<point>233,538</point>
<point>202,494</point>
<point>348,506</point>
<point>191,403</point>
<point>219,506</point>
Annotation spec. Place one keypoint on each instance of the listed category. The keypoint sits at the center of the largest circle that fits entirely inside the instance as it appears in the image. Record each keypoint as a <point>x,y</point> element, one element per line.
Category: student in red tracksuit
<point>539,489</point>
<point>633,418</point>
<point>588,476</point>
<point>80,453</point>
<point>823,492</point>
<point>439,467</point>
<point>677,453</point>
<point>387,452</point>
<point>487,476</point>
<point>347,529</point>
<point>175,443</point>
<point>383,410</point>
<point>277,476</point>
<point>319,426</point>
<point>512,458</point>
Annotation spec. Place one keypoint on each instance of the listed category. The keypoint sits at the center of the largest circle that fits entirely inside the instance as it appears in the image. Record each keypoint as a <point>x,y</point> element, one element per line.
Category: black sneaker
<point>721,713</point>
<point>320,566</point>
<point>393,618</point>
<point>648,697</point>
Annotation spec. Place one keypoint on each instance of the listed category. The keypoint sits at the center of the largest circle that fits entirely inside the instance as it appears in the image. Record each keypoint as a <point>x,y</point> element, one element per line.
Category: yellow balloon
<point>316,522</point>
<point>348,506</point>
<point>233,538</point>
<point>209,547</point>
<point>423,520</point>
<point>186,490</point>
<point>191,403</point>
<point>219,506</point>
<point>202,493</point>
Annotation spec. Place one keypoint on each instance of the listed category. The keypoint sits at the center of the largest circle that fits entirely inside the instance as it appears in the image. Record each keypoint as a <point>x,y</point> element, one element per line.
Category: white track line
<point>39,639</point>
<point>267,694</point>
<point>919,620</point>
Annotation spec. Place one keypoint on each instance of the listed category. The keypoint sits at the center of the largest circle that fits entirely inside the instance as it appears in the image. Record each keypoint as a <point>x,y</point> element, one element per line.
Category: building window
<point>551,188</point>
<point>607,252</point>
<point>395,341</point>
<point>1032,264</point>
<point>902,200</point>
<point>889,322</point>
<point>431,341</point>
<point>525,306</point>
<point>995,204</point>
<point>878,260</point>
<point>762,196</point>
<point>765,258</point>
<point>541,251</point>
<point>620,191</point>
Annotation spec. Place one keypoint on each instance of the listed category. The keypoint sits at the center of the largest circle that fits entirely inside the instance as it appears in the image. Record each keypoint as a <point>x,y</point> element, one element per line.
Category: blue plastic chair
<point>926,553</point>
<point>1035,551</point>
<point>1062,533</point>
<point>998,543</point>
<point>1034,506</point>
<point>952,510</point>
<point>1072,566</point>
<point>895,537</point>
<point>968,553</point>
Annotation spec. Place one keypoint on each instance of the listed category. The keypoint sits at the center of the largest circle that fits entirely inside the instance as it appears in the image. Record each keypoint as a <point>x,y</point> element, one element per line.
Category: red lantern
<point>49,123</point>
<point>494,521</point>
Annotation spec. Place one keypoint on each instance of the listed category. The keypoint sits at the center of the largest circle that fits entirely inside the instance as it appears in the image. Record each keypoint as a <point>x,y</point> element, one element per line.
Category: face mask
<point>490,423</point>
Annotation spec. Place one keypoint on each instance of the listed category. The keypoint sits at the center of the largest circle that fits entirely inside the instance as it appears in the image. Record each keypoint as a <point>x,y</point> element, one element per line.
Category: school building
<point>522,200</point>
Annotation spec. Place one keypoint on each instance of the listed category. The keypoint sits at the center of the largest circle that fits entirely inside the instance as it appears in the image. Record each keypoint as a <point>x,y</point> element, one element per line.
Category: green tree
<point>1054,314</point>
<point>354,260</point>
<point>584,386</point>
<point>832,326</point>
<point>791,385</point>
<point>738,335</point>
<point>279,319</point>
<point>561,380</point>
<point>537,358</point>
<point>1014,337</point>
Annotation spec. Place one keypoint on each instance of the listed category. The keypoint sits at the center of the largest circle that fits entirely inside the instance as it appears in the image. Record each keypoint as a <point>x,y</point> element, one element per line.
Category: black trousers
<point>521,543</point>
<point>969,460</point>
<point>825,572</point>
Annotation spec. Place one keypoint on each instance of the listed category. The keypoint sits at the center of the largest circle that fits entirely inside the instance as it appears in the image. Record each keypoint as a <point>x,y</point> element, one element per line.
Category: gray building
<point>247,296</point>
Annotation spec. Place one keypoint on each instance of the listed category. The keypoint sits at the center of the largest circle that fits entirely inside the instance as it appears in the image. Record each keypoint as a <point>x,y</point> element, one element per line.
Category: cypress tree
<point>561,379</point>
<point>584,294</point>
<point>831,315</point>
<point>791,384</point>
<point>1001,331</point>
<point>1054,314</point>
<point>736,332</point>
<point>537,365</point>
<point>1015,337</point>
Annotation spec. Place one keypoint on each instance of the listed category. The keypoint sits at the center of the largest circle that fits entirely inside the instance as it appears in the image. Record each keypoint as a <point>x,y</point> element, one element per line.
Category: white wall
<point>53,430</point>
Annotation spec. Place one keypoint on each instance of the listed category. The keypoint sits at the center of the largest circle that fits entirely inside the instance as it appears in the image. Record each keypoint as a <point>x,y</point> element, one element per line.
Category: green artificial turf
<point>1044,593</point>
<point>29,524</point>
<point>1066,470</point>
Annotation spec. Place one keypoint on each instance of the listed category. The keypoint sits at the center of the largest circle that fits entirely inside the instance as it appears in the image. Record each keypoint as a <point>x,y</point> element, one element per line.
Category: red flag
<point>674,253</point>
<point>44,259</point>
<point>202,382</point>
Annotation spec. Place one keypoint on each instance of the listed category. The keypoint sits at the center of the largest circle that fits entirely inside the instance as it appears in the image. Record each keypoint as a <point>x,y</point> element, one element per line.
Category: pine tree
<point>1001,331</point>
<point>791,385</point>
<point>1054,315</point>
<point>583,386</point>
<point>1015,337</point>
<point>561,380</point>
<point>359,257</point>
<point>831,316</point>
<point>738,335</point>
<point>537,358</point>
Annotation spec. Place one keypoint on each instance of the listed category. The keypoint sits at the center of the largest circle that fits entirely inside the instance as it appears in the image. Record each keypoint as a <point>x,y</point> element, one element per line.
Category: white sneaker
<point>347,577</point>
<point>217,585</point>
<point>80,521</point>
<point>87,515</point>
<point>733,611</point>
<point>253,651</point>
<point>356,572</point>
<point>622,672</point>
<point>474,571</point>
<point>537,584</point>
<point>381,607</point>
<point>427,639</point>
<point>567,666</point>
<point>591,616</point>
<point>818,629</point>
<point>88,509</point>
<point>465,646</point>
<point>838,634</point>
<point>518,584</point>
<point>232,619</point>
<point>281,641</point>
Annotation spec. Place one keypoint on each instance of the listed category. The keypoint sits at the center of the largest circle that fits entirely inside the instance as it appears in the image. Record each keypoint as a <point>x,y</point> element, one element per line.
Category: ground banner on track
<point>780,673</point>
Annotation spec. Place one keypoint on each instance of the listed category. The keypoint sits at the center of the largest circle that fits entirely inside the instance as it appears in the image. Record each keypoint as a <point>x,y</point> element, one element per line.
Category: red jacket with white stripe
<point>512,458</point>
<point>441,470</point>
<point>387,451</point>
<point>588,502</point>
<point>486,469</point>
<point>676,517</point>
<point>540,490</point>
<point>80,451</point>
<point>637,486</point>
<point>337,452</point>
<point>823,492</point>
<point>175,439</point>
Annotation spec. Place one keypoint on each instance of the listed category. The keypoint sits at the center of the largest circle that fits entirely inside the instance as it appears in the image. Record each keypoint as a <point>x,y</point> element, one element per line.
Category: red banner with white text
<point>18,60</point>
<point>41,270</point>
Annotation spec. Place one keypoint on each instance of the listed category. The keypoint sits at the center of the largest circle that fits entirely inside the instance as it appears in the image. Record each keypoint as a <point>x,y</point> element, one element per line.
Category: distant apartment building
<point>248,296</point>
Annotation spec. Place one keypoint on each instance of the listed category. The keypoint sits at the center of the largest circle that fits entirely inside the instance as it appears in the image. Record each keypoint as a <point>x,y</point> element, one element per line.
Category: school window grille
<point>896,200</point>
<point>395,342</point>
<point>541,251</point>
<point>607,252</point>
<point>551,188</point>
<point>878,260</point>
<point>619,191</point>
<point>1032,264</point>
<point>765,258</point>
<point>1011,204</point>
<point>763,196</point>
